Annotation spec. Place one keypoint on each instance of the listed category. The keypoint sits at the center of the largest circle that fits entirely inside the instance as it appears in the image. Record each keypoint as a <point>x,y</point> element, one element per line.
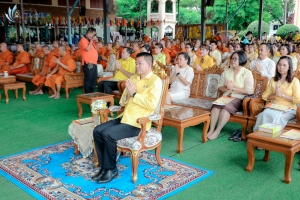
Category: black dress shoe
<point>108,175</point>
<point>96,176</point>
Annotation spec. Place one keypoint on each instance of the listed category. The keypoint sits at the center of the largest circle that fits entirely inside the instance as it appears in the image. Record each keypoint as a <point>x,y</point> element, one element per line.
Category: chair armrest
<point>298,115</point>
<point>110,110</point>
<point>143,121</point>
<point>73,76</point>
<point>245,105</point>
<point>256,106</point>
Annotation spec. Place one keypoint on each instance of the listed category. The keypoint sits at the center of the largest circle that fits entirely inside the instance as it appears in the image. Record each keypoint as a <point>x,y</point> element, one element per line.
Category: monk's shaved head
<point>3,47</point>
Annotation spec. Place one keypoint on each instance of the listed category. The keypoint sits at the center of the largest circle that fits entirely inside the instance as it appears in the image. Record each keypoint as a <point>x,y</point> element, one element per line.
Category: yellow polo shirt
<point>128,65</point>
<point>207,62</point>
<point>144,102</point>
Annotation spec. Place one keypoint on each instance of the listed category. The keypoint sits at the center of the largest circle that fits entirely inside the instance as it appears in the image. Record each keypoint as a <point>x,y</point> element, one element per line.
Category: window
<point>97,3</point>
<point>71,2</point>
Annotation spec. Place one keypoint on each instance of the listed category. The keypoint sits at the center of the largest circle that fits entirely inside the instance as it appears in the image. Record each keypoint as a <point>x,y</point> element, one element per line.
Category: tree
<point>253,27</point>
<point>130,9</point>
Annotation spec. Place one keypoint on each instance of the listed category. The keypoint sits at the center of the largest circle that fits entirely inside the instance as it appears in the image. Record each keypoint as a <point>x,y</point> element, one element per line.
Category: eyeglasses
<point>234,59</point>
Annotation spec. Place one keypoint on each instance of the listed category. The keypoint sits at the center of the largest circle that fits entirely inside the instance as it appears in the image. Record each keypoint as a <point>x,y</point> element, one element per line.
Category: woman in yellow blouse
<point>205,61</point>
<point>283,89</point>
<point>275,53</point>
<point>237,82</point>
<point>158,55</point>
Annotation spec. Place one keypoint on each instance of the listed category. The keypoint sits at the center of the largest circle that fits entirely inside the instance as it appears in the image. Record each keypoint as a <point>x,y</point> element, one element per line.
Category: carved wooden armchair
<point>257,104</point>
<point>111,66</point>
<point>260,85</point>
<point>146,140</point>
<point>73,80</point>
<point>118,93</point>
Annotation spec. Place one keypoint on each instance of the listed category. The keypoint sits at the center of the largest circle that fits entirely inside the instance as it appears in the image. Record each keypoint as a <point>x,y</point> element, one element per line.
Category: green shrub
<point>242,33</point>
<point>253,27</point>
<point>284,30</point>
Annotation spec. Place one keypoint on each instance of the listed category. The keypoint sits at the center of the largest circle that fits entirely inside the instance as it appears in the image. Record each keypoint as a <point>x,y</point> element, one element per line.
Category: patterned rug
<point>54,172</point>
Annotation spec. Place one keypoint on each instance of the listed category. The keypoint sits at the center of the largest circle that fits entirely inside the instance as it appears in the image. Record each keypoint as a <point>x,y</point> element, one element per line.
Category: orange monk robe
<point>225,49</point>
<point>6,59</point>
<point>173,52</point>
<point>55,51</point>
<point>69,50</point>
<point>77,53</point>
<point>104,54</point>
<point>133,55</point>
<point>22,58</point>
<point>49,64</point>
<point>39,52</point>
<point>198,52</point>
<point>59,78</point>
<point>166,51</point>
<point>120,52</point>
<point>177,47</point>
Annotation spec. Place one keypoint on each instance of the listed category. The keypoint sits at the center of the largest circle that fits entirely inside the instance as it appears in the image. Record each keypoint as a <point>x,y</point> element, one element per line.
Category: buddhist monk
<point>38,49</point>
<point>69,50</point>
<point>102,51</point>
<point>55,46</point>
<point>6,57</point>
<point>65,63</point>
<point>117,46</point>
<point>166,51</point>
<point>21,64</point>
<point>197,48</point>
<point>172,49</point>
<point>136,50</point>
<point>77,52</point>
<point>49,64</point>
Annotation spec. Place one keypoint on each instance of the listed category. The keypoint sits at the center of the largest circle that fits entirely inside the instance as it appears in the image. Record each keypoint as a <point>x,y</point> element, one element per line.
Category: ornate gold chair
<point>146,140</point>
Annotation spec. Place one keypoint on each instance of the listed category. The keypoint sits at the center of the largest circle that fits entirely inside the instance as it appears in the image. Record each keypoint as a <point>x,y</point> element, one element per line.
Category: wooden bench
<point>204,91</point>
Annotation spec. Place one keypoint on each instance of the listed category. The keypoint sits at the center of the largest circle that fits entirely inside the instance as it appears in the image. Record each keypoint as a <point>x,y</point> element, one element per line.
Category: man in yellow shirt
<point>141,97</point>
<point>125,67</point>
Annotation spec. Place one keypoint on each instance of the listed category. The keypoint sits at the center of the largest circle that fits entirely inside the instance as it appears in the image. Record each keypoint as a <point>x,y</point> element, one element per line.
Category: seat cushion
<point>152,138</point>
<point>201,103</point>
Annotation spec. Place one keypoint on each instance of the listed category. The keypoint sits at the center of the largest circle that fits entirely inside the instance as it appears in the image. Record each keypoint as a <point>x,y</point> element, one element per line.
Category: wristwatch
<point>177,74</point>
<point>133,95</point>
<point>232,89</point>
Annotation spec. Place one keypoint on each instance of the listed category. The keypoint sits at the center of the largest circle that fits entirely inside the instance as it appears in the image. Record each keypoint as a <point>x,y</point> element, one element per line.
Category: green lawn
<point>41,121</point>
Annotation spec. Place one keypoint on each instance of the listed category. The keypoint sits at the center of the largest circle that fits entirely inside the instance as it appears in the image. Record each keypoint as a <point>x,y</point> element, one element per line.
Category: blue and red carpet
<point>54,172</point>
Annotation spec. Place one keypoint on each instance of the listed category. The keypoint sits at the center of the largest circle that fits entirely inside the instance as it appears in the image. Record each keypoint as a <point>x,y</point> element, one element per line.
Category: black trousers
<point>107,86</point>
<point>90,77</point>
<point>106,136</point>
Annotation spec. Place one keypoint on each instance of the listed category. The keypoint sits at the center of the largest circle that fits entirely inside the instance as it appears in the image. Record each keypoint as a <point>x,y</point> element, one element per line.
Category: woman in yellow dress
<point>189,49</point>
<point>283,89</point>
<point>205,61</point>
<point>286,51</point>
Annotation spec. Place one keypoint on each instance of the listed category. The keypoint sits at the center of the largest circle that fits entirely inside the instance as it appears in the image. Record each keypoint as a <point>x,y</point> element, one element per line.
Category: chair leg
<point>67,92</point>
<point>96,162</point>
<point>244,131</point>
<point>157,155</point>
<point>134,163</point>
<point>76,150</point>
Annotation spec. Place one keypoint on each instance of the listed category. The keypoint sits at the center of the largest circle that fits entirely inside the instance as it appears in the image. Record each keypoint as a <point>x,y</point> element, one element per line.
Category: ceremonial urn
<point>96,107</point>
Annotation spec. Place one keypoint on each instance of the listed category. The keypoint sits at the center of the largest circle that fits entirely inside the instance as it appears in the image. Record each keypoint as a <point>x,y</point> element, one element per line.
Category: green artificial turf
<point>41,121</point>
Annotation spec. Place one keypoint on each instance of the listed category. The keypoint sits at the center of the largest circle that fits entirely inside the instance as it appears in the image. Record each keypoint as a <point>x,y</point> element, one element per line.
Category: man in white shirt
<point>263,64</point>
<point>215,53</point>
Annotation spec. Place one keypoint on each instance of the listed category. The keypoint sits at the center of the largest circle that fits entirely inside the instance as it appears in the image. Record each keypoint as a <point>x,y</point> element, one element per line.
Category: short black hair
<point>147,56</point>
<point>159,45</point>
<point>249,32</point>
<point>267,45</point>
<point>129,50</point>
<point>290,73</point>
<point>242,57</point>
<point>191,45</point>
<point>213,42</point>
<point>148,48</point>
<point>90,30</point>
<point>186,57</point>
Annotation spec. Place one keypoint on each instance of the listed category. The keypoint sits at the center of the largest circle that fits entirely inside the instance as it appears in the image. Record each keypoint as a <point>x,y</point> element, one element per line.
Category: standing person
<point>263,64</point>
<point>139,101</point>
<point>264,38</point>
<point>89,57</point>
<point>246,39</point>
